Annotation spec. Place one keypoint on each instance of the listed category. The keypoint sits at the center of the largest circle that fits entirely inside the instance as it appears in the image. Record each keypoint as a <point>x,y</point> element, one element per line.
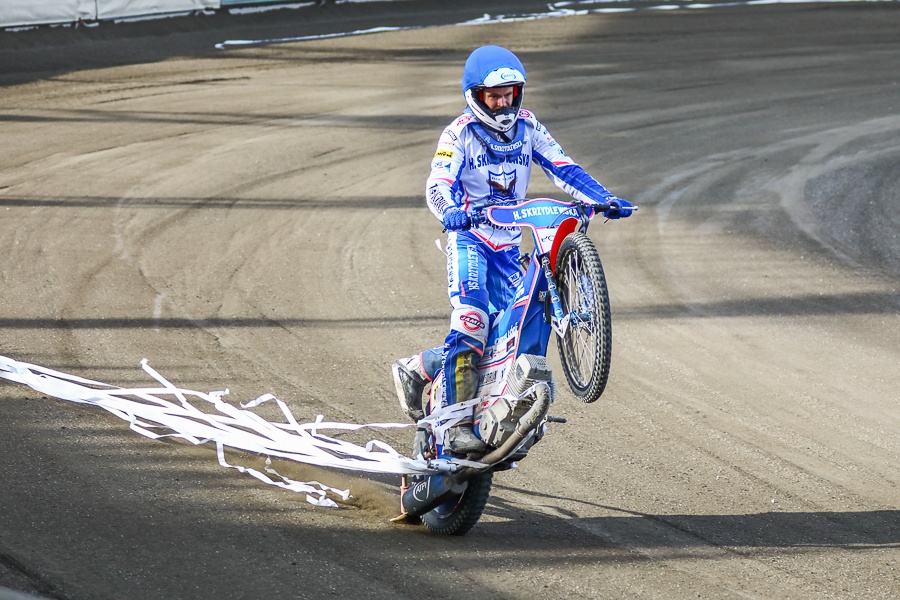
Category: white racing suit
<point>470,167</point>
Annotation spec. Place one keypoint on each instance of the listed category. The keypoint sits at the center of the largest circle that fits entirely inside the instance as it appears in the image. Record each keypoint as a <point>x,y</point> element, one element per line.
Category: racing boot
<point>409,381</point>
<point>461,439</point>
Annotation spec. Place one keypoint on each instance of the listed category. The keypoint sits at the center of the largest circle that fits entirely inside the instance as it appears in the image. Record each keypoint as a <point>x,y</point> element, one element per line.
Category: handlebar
<point>478,214</point>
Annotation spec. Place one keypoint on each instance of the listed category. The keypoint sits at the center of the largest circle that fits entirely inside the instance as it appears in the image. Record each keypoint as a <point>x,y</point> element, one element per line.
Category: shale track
<point>253,218</point>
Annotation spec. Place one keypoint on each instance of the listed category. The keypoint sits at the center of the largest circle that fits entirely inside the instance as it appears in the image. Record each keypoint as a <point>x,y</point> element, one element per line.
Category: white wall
<point>29,12</point>
<point>110,9</point>
<point>35,12</point>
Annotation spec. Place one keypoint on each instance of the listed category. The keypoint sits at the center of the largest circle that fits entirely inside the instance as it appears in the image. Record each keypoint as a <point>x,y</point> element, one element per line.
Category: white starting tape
<point>229,426</point>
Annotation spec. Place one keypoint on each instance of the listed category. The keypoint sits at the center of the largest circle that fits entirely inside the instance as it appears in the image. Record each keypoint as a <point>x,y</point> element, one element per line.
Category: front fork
<point>558,321</point>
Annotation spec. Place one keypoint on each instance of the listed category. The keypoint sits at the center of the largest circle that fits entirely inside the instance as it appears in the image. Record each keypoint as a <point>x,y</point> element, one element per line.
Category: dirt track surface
<point>253,219</point>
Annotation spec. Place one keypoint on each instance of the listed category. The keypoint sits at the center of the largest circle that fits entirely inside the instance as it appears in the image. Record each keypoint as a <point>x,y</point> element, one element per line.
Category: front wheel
<point>586,348</point>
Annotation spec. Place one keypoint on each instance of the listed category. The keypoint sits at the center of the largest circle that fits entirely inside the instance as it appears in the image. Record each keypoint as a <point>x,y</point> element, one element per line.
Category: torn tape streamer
<point>150,414</point>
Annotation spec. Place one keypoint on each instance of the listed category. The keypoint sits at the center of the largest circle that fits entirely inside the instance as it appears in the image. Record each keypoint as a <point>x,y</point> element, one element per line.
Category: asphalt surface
<point>253,219</point>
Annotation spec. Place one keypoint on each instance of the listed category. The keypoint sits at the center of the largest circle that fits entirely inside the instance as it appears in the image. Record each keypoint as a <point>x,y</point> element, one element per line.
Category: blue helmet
<point>489,67</point>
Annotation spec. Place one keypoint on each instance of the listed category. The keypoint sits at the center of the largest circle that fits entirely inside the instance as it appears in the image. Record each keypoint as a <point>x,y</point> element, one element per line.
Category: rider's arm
<point>562,170</point>
<point>442,189</point>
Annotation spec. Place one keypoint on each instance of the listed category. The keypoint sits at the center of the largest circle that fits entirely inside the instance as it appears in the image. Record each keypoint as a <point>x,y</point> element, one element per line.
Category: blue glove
<point>618,208</point>
<point>456,219</point>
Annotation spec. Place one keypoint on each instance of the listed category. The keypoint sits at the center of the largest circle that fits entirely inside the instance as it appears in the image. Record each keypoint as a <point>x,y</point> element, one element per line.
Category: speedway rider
<point>485,154</point>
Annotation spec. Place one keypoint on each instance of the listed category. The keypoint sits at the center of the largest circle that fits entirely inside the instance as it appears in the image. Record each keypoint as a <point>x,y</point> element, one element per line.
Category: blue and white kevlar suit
<point>471,166</point>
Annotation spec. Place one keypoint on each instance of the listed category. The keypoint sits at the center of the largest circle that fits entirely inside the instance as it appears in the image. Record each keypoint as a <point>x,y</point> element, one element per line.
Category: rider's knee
<point>470,322</point>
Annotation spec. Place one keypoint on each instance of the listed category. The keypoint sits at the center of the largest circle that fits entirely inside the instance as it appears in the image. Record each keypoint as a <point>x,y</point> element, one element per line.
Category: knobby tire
<point>586,349</point>
<point>459,514</point>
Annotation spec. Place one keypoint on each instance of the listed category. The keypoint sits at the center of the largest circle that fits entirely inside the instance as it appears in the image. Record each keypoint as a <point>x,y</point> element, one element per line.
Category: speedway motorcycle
<point>563,292</point>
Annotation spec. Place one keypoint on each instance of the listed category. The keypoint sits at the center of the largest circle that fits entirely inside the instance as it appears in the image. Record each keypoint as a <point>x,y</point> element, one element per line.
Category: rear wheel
<point>458,514</point>
<point>586,349</point>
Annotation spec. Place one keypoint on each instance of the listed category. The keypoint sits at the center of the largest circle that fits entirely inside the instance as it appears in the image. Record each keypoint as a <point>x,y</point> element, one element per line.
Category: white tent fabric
<point>114,9</point>
<point>14,13</point>
<point>35,12</point>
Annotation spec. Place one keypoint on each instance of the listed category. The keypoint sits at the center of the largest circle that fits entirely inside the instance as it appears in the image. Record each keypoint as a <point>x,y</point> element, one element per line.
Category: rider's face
<point>499,97</point>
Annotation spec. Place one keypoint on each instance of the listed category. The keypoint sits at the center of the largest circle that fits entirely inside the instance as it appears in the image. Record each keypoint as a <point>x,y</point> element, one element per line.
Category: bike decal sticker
<point>541,215</point>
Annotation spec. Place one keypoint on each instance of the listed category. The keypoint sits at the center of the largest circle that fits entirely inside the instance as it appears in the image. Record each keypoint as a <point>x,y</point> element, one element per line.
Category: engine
<point>500,416</point>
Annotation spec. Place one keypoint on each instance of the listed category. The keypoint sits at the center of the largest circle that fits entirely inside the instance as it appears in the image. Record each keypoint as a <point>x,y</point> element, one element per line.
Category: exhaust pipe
<point>425,495</point>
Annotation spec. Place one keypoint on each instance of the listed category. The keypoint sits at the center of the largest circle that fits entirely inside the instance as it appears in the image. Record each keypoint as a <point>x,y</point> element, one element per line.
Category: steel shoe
<point>410,386</point>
